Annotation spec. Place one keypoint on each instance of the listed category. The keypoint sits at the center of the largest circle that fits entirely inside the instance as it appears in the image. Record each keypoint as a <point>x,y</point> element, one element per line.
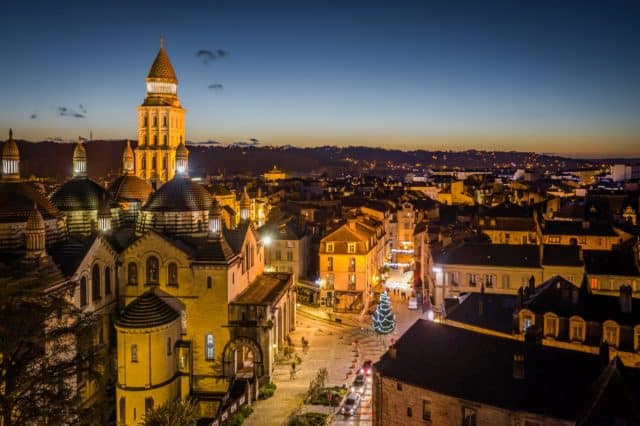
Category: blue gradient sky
<point>546,76</point>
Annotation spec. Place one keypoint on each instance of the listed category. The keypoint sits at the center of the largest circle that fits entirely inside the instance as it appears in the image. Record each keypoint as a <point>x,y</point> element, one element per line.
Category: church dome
<point>17,200</point>
<point>80,195</point>
<point>130,188</point>
<point>179,195</point>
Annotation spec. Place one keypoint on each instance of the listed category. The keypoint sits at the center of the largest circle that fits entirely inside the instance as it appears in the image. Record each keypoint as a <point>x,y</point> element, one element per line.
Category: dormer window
<point>329,247</point>
<point>551,324</point>
<point>527,319</point>
<point>351,247</point>
<point>576,329</point>
<point>611,333</point>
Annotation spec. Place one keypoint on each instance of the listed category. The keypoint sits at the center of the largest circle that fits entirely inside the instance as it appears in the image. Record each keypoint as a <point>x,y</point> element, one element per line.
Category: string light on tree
<point>383,319</point>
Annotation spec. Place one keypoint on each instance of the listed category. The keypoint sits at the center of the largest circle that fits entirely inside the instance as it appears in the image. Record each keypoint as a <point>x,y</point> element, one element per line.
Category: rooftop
<point>265,290</point>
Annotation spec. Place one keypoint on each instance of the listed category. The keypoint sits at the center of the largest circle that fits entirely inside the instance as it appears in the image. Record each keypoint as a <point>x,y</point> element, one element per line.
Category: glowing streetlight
<point>267,240</point>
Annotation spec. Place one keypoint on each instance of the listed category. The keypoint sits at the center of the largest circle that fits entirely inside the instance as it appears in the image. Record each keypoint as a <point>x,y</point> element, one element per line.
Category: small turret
<point>245,205</point>
<point>104,214</point>
<point>35,234</point>
<point>215,219</point>
<point>79,160</point>
<point>182,160</point>
<point>10,159</point>
<point>128,160</point>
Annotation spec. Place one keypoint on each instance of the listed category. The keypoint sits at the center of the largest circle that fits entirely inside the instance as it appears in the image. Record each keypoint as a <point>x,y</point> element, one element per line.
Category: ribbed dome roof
<point>179,195</point>
<point>130,188</point>
<point>147,311</point>
<point>81,194</point>
<point>17,199</point>
<point>35,220</point>
<point>162,68</point>
<point>10,148</point>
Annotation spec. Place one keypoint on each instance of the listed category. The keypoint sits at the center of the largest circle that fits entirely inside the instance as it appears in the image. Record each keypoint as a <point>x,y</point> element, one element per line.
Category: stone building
<point>443,375</point>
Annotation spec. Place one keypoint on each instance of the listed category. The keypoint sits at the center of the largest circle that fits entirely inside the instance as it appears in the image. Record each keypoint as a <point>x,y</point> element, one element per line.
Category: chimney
<point>518,366</point>
<point>351,222</point>
<point>603,353</point>
<point>392,352</point>
<point>625,299</point>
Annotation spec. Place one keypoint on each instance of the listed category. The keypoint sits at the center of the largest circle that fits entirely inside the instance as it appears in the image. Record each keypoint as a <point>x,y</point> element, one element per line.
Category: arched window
<point>611,333</point>
<point>209,282</point>
<point>551,325</point>
<point>123,413</point>
<point>95,283</point>
<point>153,162</point>
<point>148,404</point>
<point>166,138</point>
<point>576,329</point>
<point>107,280</point>
<point>164,121</point>
<point>134,353</point>
<point>132,273</point>
<point>155,139</point>
<point>152,270</point>
<point>209,344</point>
<point>172,274</point>
<point>155,121</point>
<point>83,291</point>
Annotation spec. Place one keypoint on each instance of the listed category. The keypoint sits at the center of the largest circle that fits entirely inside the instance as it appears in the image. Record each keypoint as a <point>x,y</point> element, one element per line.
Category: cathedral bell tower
<point>160,123</point>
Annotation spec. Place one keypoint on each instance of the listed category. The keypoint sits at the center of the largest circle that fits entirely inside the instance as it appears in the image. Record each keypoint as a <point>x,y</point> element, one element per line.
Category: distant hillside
<point>53,159</point>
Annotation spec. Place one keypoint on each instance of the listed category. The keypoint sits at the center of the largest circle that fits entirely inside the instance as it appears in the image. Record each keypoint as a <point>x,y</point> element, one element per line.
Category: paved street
<point>332,346</point>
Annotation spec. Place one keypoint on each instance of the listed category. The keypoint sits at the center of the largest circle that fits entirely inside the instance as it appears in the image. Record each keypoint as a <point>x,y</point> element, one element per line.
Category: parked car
<point>359,384</point>
<point>367,367</point>
<point>413,303</point>
<point>351,404</point>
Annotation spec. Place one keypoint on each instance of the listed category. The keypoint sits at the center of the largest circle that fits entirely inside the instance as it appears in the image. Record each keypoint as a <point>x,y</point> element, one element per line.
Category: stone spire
<point>10,159</point>
<point>79,160</point>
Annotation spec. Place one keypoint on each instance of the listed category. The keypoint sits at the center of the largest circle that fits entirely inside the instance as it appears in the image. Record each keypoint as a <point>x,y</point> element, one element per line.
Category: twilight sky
<point>556,76</point>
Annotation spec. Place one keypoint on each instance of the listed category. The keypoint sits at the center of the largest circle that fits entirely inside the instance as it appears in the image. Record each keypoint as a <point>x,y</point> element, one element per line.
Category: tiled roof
<point>17,200</point>
<point>162,68</point>
<point>614,262</point>
<point>570,227</point>
<point>179,195</point>
<point>130,188</point>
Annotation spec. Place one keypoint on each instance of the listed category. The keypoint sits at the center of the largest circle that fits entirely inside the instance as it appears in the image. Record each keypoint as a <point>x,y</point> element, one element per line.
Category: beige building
<point>274,175</point>
<point>287,247</point>
<point>350,259</point>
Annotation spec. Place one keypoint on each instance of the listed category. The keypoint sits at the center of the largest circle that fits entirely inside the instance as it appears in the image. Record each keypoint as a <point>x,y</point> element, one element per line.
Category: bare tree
<point>47,349</point>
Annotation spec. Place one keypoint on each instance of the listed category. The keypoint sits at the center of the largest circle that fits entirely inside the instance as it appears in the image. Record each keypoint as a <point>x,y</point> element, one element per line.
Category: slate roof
<point>561,255</point>
<point>207,249</point>
<point>479,367</point>
<point>554,295</point>
<point>614,262</point>
<point>69,254</point>
<point>568,227</point>
<point>81,194</point>
<point>496,313</point>
<point>523,256</point>
<point>146,311</point>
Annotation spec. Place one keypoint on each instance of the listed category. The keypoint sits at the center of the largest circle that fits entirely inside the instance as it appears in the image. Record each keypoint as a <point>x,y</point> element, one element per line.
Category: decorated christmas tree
<point>383,319</point>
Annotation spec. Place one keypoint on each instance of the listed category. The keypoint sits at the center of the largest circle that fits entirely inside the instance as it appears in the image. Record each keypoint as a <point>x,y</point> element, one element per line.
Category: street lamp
<point>267,240</point>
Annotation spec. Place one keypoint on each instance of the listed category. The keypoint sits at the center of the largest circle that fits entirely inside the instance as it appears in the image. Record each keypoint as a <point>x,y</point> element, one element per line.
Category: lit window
<point>330,264</point>
<point>469,416</point>
<point>209,347</point>
<point>329,247</point>
<point>426,409</point>
<point>550,325</point>
<point>594,283</point>
<point>352,281</point>
<point>610,333</point>
<point>352,264</point>
<point>351,247</point>
<point>152,270</point>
